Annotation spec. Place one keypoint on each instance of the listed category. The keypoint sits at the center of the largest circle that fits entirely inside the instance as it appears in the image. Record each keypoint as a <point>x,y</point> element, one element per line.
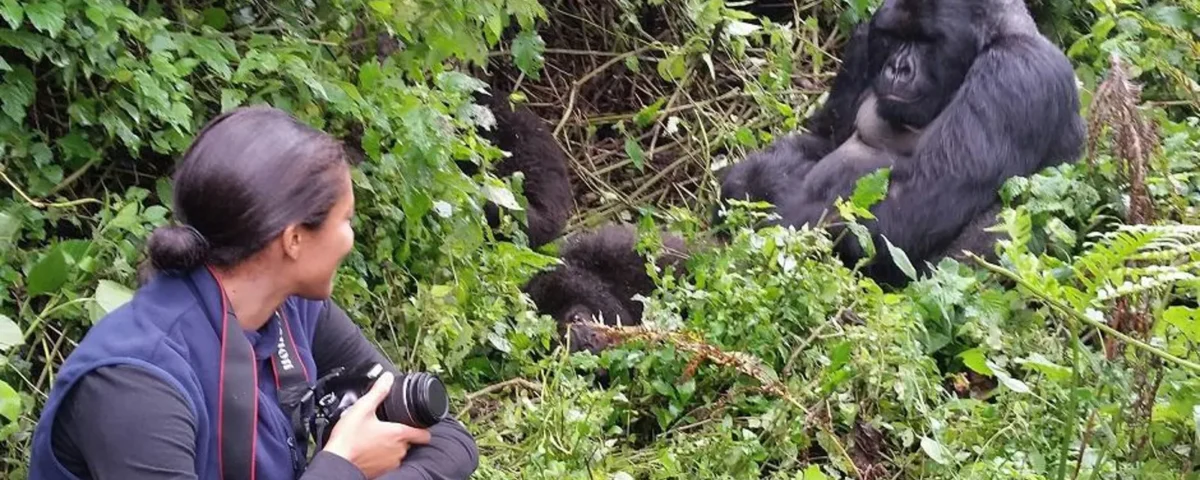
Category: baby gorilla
<point>536,154</point>
<point>601,272</point>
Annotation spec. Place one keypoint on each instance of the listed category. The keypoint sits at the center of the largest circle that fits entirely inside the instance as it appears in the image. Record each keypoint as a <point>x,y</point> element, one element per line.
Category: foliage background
<point>787,365</point>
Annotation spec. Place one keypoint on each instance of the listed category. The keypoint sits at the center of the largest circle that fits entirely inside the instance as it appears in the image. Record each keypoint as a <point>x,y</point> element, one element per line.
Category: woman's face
<point>322,249</point>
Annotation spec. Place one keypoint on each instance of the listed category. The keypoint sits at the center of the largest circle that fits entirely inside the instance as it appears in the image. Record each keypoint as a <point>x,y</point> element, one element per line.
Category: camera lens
<point>417,400</point>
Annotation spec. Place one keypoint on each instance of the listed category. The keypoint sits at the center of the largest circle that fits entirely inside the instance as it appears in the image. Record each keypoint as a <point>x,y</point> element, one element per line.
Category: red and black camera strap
<point>237,409</point>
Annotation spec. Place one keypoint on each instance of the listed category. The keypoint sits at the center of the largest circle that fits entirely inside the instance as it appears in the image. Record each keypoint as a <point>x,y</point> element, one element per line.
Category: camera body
<point>416,399</point>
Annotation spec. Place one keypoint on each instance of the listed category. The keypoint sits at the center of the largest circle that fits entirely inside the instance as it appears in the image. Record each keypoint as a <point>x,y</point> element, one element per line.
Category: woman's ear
<point>291,238</point>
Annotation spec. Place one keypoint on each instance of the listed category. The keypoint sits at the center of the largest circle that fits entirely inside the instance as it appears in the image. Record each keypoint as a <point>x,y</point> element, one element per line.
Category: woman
<point>185,381</point>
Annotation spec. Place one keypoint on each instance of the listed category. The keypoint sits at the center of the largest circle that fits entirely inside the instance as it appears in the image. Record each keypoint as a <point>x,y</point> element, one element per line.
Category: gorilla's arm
<point>1018,106</point>
<point>537,154</point>
<point>766,174</point>
<point>834,121</point>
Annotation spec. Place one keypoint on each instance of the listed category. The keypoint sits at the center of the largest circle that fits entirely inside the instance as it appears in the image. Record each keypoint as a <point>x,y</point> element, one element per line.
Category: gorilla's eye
<point>579,315</point>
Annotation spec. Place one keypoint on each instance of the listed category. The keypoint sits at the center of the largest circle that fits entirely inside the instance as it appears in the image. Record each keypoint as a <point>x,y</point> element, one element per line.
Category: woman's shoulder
<point>305,313</point>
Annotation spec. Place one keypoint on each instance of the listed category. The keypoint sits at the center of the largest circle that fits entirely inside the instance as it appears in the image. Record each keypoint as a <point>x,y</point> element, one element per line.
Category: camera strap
<point>237,410</point>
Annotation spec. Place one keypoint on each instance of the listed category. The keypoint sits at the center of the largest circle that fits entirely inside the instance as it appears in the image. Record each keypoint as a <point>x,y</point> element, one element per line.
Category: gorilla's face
<point>578,313</point>
<point>575,327</point>
<point>921,50</point>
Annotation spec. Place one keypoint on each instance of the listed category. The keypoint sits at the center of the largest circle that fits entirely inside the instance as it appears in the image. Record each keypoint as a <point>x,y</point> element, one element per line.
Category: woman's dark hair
<point>248,174</point>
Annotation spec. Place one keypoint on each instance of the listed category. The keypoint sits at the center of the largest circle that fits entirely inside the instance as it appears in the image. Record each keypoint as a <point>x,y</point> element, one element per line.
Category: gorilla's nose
<point>900,68</point>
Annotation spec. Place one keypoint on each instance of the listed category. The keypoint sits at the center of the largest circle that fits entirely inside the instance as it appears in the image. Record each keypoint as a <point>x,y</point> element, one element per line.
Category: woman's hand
<point>372,445</point>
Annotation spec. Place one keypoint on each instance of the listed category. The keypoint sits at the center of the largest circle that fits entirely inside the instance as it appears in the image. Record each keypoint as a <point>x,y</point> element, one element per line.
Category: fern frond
<point>1138,258</point>
<point>1097,266</point>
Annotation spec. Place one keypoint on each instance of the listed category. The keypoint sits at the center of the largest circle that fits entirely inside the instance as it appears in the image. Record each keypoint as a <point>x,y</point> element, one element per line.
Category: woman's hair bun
<point>177,247</point>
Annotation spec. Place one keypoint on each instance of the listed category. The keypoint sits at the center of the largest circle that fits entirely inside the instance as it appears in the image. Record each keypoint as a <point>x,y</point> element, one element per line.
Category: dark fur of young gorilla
<point>1001,101</point>
<point>541,159</point>
<point>601,272</point>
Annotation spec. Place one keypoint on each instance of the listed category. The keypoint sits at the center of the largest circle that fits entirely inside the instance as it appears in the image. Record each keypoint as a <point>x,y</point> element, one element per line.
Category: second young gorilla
<point>538,156</point>
<point>601,272</point>
<point>992,97</point>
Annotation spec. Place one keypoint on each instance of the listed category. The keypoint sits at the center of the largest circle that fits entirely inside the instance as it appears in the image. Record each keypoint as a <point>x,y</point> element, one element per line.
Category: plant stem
<point>38,204</point>
<point>1081,317</point>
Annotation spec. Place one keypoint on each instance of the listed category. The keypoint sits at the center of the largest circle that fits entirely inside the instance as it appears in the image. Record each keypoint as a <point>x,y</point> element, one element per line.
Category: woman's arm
<point>451,453</point>
<point>106,403</point>
<point>109,400</point>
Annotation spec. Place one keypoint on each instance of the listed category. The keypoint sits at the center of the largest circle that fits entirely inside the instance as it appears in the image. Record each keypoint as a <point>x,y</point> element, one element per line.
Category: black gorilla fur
<point>541,159</point>
<point>1001,101</point>
<point>877,142</point>
<point>600,274</point>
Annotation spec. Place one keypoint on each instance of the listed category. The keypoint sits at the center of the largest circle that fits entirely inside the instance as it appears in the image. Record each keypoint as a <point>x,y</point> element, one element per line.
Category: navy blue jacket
<point>165,332</point>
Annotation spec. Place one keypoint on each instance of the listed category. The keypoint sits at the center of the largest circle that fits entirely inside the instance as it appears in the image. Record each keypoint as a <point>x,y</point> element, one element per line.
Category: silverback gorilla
<point>536,154</point>
<point>991,97</point>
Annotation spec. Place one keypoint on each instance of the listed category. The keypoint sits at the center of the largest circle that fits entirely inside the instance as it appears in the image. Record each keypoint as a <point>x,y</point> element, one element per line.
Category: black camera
<point>417,399</point>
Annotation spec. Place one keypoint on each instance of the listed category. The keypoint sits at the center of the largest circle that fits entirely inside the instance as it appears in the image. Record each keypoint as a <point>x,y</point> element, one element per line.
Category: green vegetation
<point>1073,357</point>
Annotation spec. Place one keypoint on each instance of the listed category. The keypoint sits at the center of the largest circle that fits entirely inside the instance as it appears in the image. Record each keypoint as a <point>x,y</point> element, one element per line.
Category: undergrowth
<point>1073,356</point>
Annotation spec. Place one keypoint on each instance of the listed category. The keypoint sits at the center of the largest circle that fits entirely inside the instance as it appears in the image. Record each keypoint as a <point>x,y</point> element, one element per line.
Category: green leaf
<point>935,450</point>
<point>1101,28</point>
<point>162,41</point>
<point>864,239</point>
<point>41,154</point>
<point>975,360</point>
<point>53,174</point>
<point>126,218</point>
<point>16,93</point>
<point>110,295</point>
<point>9,226</point>
<point>231,99</point>
<point>97,15</point>
<point>745,137</point>
<point>12,12</point>
<point>368,76</point>
<point>382,6</point>
<point>1008,381</point>
<point>634,150</point>
<point>840,355</point>
<point>631,62</point>
<point>155,214</point>
<point>663,388</point>
<point>212,54</point>
<point>871,188</point>
<point>76,145</point>
<point>647,115</point>
<point>48,274</point>
<point>123,76</point>
<point>31,44</point>
<point>10,402</point>
<point>1042,364</point>
<point>901,260</point>
<point>216,18</point>
<point>458,82</point>
<point>10,334</point>
<point>527,51</point>
<point>813,472</point>
<point>47,16</point>
<point>1186,320</point>
<point>500,343</point>
<point>741,29</point>
<point>164,190</point>
<point>673,67</point>
<point>501,196</point>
